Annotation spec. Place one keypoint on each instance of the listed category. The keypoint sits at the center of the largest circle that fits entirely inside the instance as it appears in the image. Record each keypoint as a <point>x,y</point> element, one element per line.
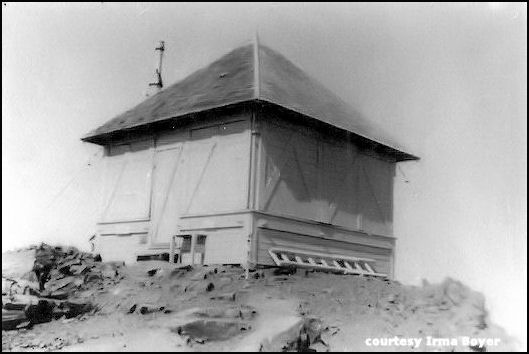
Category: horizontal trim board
<point>212,228</point>
<point>159,246</point>
<point>123,221</point>
<point>323,237</point>
<point>231,212</point>
<point>313,222</point>
<point>122,234</point>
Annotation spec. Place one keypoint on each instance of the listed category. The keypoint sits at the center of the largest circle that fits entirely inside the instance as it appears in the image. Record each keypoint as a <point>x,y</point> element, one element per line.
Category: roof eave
<point>381,147</point>
<point>107,137</point>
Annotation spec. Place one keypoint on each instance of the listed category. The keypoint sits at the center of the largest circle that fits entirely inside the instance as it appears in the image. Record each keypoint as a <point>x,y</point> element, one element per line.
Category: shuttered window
<point>128,183</point>
<point>320,178</point>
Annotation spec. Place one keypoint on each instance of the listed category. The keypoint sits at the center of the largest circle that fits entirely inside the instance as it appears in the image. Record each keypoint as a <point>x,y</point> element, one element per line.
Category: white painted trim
<point>121,221</point>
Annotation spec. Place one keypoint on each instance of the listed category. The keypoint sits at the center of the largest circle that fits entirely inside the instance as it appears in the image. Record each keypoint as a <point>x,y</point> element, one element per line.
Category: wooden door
<point>167,194</point>
<point>204,172</point>
<point>178,172</point>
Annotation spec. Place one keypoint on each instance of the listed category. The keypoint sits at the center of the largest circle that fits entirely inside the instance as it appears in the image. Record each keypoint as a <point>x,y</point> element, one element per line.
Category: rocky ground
<point>157,306</point>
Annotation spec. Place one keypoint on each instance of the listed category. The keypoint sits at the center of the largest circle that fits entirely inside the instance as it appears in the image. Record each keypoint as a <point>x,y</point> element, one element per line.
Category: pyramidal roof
<point>252,72</point>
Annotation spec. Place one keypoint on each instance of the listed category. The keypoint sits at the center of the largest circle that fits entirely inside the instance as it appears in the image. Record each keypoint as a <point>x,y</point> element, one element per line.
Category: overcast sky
<point>447,81</point>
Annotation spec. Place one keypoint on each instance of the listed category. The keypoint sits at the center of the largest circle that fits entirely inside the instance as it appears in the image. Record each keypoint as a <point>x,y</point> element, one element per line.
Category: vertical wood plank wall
<point>199,170</point>
<point>249,181</point>
<point>312,178</point>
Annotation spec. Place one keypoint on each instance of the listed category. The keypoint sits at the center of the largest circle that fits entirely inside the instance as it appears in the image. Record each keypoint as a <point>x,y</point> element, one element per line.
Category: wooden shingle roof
<point>249,73</point>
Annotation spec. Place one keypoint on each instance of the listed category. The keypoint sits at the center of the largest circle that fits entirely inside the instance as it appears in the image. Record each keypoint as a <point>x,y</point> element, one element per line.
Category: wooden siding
<point>281,231</point>
<point>121,247</point>
<point>200,171</point>
<point>128,177</point>
<point>167,198</point>
<point>123,228</point>
<point>220,181</point>
<point>197,169</point>
<point>310,175</point>
<point>248,184</point>
<point>227,235</point>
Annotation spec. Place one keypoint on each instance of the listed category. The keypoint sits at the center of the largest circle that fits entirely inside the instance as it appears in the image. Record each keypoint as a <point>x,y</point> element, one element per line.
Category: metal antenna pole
<point>158,83</point>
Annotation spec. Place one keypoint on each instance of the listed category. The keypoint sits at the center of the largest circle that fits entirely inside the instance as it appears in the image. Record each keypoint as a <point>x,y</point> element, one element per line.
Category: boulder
<point>150,308</point>
<point>12,319</point>
<point>227,296</point>
<point>285,270</point>
<point>66,283</point>
<point>202,330</point>
<point>19,302</point>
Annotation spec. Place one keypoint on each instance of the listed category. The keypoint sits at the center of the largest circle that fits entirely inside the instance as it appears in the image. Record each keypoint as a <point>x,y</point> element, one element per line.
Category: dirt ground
<point>155,306</point>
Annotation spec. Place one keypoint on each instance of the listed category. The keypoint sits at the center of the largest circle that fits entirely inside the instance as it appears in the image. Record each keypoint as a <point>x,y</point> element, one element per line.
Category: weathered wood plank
<point>276,239</point>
